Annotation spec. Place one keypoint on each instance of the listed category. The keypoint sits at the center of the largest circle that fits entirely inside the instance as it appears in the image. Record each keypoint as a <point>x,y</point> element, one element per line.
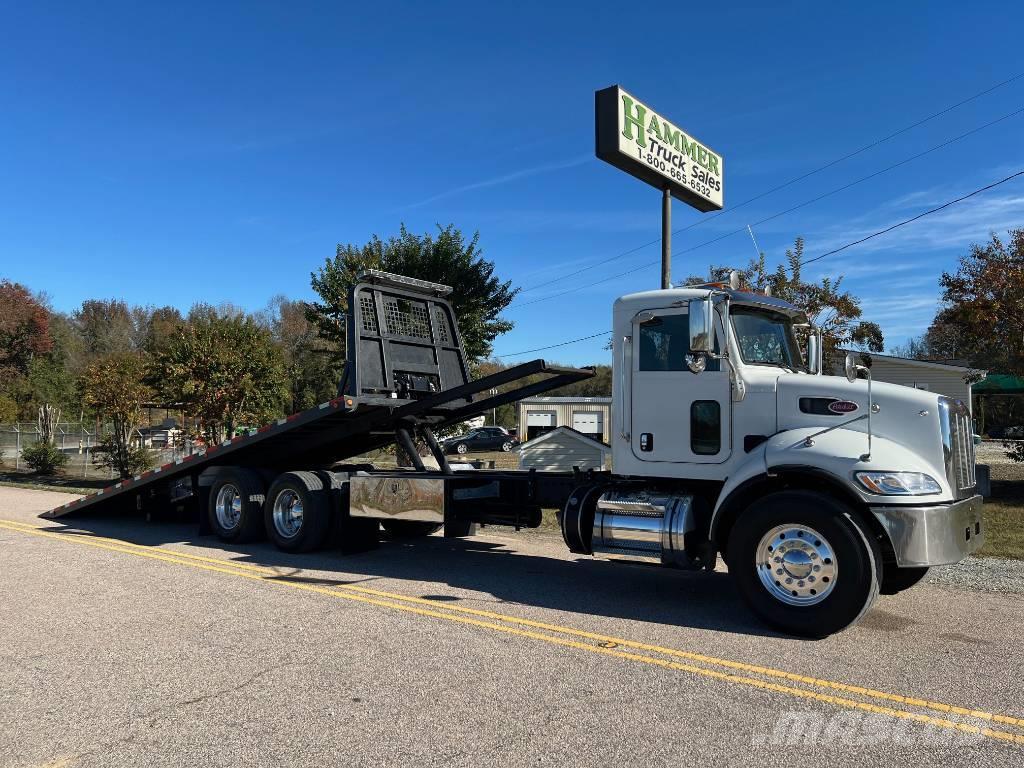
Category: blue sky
<point>216,152</point>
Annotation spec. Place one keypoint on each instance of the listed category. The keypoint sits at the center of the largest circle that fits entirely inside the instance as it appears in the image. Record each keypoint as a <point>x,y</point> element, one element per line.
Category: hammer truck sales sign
<point>636,139</point>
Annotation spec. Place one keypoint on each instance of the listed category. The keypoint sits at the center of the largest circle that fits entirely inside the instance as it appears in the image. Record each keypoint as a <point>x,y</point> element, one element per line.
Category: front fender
<point>752,468</point>
<point>841,453</point>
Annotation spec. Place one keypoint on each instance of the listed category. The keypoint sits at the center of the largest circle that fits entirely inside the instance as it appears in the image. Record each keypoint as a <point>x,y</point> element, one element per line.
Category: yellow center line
<point>449,613</point>
<point>610,641</point>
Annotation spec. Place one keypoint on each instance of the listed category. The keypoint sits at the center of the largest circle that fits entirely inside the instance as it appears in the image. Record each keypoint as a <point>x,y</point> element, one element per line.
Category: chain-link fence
<point>78,442</point>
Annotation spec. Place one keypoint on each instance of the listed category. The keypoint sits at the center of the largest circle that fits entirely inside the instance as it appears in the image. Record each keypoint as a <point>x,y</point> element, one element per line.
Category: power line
<point>822,256</point>
<point>552,346</point>
<point>785,184</point>
<point>789,210</point>
<point>914,218</point>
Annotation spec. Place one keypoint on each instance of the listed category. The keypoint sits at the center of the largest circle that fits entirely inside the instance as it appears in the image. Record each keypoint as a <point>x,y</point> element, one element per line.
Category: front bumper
<point>935,535</point>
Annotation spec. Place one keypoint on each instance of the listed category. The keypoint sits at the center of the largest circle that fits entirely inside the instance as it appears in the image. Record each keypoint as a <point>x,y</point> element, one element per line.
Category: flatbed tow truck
<point>728,439</point>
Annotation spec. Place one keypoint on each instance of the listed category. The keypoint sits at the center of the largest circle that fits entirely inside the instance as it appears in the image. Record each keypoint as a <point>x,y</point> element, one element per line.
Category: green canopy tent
<point>1000,384</point>
<point>998,399</point>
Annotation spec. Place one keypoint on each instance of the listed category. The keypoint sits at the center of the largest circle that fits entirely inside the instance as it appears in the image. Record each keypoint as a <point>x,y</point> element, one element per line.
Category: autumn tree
<point>24,329</point>
<point>836,311</point>
<point>478,296</point>
<point>984,302</point>
<point>224,369</point>
<point>114,386</point>
<point>982,317</point>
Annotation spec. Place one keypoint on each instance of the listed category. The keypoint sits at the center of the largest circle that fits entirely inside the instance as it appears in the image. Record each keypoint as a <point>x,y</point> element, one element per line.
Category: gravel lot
<point>984,574</point>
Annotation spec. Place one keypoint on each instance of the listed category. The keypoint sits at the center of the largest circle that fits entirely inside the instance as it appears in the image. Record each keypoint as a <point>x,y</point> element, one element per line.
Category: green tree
<point>114,386</point>
<point>478,297</point>
<point>224,369</point>
<point>160,326</point>
<point>106,327</point>
<point>835,311</point>
<point>312,363</point>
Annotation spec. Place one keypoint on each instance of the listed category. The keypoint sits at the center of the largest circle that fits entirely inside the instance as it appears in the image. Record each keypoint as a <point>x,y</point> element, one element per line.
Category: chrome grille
<point>957,444</point>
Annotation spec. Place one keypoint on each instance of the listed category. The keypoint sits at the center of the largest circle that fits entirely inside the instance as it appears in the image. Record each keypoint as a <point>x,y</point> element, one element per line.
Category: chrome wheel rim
<point>288,514</point>
<point>796,564</point>
<point>460,448</point>
<point>507,446</point>
<point>228,507</point>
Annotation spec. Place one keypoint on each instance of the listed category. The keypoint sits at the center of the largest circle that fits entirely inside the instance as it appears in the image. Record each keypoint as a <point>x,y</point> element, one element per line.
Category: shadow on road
<point>629,591</point>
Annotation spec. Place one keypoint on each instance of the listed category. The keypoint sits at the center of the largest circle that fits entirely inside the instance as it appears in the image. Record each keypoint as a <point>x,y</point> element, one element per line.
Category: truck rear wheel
<point>803,563</point>
<point>896,580</point>
<point>297,513</point>
<point>235,508</point>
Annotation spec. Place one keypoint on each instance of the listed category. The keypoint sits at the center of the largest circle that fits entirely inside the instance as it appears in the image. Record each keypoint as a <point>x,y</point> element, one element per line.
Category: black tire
<point>245,522</point>
<point>507,446</point>
<point>857,563</point>
<point>898,579</point>
<point>461,448</point>
<point>408,529</point>
<point>298,533</point>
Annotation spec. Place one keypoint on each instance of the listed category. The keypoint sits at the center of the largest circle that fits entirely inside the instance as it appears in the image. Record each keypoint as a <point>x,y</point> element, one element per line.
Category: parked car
<point>482,439</point>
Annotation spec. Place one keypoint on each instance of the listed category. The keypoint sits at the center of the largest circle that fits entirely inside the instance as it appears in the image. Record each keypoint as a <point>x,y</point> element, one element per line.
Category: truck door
<point>677,416</point>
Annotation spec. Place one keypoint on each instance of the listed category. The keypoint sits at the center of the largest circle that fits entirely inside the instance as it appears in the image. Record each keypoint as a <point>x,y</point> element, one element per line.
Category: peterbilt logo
<point>843,406</point>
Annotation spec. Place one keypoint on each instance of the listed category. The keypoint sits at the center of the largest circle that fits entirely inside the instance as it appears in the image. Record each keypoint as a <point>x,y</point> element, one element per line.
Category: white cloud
<point>504,179</point>
<point>955,227</point>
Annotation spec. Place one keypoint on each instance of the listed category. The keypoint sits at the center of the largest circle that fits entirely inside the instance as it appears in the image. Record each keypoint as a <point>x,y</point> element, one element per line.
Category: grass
<point>42,485</point>
<point>23,478</point>
<point>1004,529</point>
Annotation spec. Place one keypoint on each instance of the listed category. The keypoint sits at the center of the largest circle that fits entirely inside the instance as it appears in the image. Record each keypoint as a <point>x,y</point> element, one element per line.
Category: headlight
<point>899,483</point>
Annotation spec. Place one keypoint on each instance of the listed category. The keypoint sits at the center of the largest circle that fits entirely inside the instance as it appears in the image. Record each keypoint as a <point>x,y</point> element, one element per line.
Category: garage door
<point>539,422</point>
<point>590,424</point>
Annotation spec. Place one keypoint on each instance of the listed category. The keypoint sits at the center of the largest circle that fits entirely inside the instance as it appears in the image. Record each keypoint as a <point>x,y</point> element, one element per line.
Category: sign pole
<point>666,239</point>
<point>637,139</point>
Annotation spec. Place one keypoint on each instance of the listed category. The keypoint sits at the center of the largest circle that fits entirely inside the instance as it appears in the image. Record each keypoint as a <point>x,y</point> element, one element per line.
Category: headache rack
<point>405,374</point>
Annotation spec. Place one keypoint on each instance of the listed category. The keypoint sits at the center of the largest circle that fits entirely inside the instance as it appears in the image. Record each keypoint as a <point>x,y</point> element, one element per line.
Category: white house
<point>942,378</point>
<point>563,448</point>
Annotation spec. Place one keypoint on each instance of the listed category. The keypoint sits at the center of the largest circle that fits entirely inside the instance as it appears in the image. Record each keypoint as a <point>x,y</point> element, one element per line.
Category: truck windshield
<point>765,337</point>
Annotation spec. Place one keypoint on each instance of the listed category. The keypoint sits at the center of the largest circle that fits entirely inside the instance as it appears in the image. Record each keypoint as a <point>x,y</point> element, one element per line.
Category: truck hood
<point>905,423</point>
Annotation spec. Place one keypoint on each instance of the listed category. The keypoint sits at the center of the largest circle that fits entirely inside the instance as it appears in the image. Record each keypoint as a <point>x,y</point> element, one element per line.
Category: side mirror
<point>702,325</point>
<point>814,360</point>
<point>850,367</point>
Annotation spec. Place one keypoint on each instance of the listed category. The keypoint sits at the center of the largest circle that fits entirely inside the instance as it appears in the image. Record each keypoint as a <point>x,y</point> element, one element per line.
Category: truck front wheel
<point>803,563</point>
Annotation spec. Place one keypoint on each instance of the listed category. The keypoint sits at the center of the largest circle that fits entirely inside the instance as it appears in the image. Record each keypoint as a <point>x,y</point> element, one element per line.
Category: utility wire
<point>822,256</point>
<point>552,346</point>
<point>789,210</point>
<point>913,218</point>
<point>785,184</point>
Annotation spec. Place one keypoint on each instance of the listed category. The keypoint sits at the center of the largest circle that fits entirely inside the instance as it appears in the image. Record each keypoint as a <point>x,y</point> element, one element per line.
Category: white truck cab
<point>818,490</point>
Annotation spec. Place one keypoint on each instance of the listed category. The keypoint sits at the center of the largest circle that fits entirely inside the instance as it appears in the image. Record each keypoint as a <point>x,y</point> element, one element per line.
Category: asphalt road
<point>129,643</point>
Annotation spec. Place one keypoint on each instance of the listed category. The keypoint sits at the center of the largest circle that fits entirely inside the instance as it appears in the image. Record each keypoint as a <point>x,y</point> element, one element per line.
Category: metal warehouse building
<point>589,415</point>
<point>942,378</point>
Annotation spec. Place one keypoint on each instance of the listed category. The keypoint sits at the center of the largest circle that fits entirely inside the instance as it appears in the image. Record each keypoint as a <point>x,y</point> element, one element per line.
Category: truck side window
<point>665,342</point>
<point>705,427</point>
